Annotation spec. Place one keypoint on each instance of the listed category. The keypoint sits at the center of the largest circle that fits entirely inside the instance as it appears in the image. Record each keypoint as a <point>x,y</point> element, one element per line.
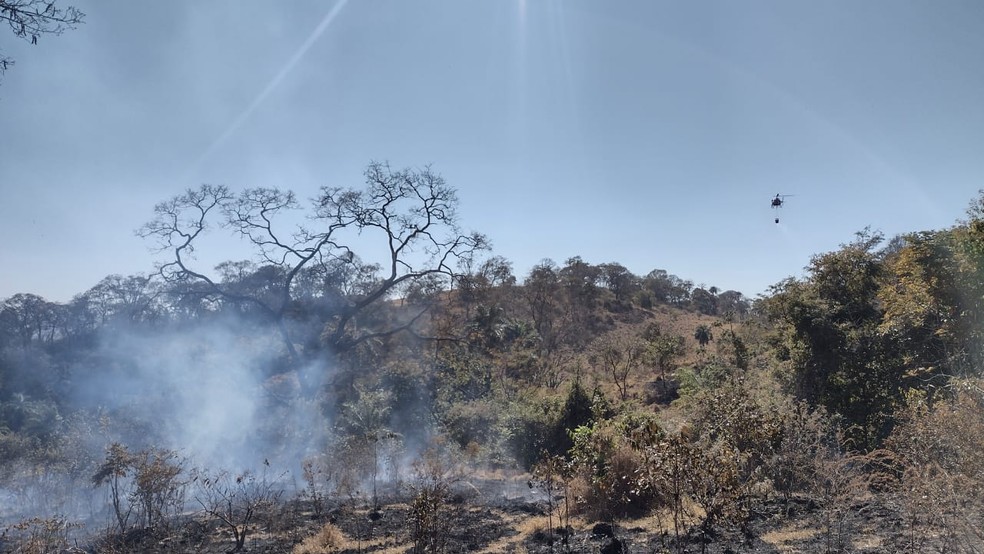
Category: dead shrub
<point>838,486</point>
<point>942,485</point>
<point>733,434</point>
<point>806,438</point>
<point>431,518</point>
<point>319,477</point>
<point>236,501</point>
<point>159,487</point>
<point>613,494</point>
<point>38,535</point>
<point>148,483</point>
<point>810,456</point>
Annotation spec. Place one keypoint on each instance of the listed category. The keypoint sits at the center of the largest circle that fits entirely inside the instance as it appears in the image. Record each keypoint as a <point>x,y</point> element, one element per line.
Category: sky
<point>652,134</point>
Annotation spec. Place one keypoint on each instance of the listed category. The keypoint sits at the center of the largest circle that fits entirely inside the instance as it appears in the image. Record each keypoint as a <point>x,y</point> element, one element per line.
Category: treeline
<point>623,394</point>
<point>556,312</point>
<point>875,322</point>
<point>28,320</point>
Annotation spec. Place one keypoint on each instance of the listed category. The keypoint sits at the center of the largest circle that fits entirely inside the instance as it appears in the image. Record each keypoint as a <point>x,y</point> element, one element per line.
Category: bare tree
<point>29,19</point>
<point>620,354</point>
<point>411,213</point>
<point>236,501</point>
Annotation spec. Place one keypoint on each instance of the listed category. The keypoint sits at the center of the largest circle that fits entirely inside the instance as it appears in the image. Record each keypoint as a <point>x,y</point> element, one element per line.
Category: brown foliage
<point>430,519</point>
<point>940,447</point>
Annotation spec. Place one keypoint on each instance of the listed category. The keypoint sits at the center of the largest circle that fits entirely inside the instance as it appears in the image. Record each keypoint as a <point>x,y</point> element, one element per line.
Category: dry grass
<point>330,539</point>
<point>505,475</point>
<point>525,527</point>
<point>672,321</point>
<point>781,538</point>
<point>661,522</point>
<point>867,541</point>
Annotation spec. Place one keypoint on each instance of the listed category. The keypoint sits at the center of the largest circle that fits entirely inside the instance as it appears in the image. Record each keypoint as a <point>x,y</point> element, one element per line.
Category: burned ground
<point>485,520</point>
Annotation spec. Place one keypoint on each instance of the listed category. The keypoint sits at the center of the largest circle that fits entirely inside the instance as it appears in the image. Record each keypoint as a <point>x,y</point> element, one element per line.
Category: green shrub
<point>530,425</point>
<point>472,422</point>
<point>608,458</point>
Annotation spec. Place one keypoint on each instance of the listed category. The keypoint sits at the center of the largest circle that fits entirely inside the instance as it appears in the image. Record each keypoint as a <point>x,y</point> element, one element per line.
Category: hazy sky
<point>648,133</point>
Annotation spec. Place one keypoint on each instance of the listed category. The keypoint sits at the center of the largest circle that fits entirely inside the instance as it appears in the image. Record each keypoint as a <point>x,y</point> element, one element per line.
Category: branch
<point>28,20</point>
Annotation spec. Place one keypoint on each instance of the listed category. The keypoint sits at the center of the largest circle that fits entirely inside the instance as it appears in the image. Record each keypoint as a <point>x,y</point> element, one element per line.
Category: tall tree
<point>619,280</point>
<point>411,214</point>
<point>579,280</point>
<point>704,301</point>
<point>541,290</point>
<point>126,299</point>
<point>829,336</point>
<point>29,318</point>
<point>487,284</point>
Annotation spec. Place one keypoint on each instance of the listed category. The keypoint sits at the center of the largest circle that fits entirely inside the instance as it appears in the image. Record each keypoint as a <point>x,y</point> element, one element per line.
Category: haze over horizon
<point>649,134</point>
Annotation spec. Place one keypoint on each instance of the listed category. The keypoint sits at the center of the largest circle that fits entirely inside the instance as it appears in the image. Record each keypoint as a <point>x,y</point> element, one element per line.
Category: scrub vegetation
<point>375,379</point>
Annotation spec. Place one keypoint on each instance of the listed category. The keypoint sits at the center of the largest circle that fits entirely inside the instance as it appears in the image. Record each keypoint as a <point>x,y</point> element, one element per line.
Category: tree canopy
<point>411,213</point>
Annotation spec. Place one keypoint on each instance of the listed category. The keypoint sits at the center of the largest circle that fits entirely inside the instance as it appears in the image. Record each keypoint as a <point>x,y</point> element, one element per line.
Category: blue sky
<point>653,134</point>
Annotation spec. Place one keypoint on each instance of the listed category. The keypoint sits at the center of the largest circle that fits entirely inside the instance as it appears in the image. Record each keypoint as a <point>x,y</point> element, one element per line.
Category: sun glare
<point>274,82</point>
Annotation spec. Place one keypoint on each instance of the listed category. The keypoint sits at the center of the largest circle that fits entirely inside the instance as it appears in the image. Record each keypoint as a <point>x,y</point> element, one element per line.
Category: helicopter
<point>777,203</point>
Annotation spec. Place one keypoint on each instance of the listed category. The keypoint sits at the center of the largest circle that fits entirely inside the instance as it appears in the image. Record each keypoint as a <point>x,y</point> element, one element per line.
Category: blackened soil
<point>499,522</point>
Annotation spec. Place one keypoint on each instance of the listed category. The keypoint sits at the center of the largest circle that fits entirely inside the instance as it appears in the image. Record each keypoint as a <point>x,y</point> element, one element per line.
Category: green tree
<point>579,281</point>
<point>541,291</point>
<point>703,335</point>
<point>366,422</point>
<point>827,334</point>
<point>619,280</point>
<point>662,350</point>
<point>30,318</point>
<point>922,309</point>
<point>577,411</point>
<point>488,284</point>
<point>487,329</point>
<point>704,301</point>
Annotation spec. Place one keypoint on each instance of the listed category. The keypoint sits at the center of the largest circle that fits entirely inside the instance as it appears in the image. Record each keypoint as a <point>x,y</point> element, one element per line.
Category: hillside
<point>582,409</point>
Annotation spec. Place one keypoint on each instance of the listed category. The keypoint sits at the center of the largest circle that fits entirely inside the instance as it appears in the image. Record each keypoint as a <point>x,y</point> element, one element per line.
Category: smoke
<point>214,393</point>
<point>223,394</point>
<point>219,393</point>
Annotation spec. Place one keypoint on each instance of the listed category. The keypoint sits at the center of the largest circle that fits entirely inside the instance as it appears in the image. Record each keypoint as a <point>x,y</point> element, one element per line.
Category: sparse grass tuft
<point>328,539</point>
